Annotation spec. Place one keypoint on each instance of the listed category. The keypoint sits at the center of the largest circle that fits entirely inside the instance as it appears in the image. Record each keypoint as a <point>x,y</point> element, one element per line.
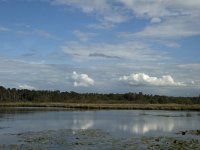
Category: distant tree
<point>24,95</point>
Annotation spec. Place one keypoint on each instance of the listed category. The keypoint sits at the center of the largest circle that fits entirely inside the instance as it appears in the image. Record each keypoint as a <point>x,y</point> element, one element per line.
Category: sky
<point>101,46</point>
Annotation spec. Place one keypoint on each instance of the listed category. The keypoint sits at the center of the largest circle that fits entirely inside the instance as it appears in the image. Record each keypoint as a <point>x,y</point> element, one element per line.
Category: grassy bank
<point>195,107</point>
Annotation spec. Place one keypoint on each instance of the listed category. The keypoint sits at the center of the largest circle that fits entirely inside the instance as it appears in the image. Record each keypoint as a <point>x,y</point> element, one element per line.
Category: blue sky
<point>101,45</point>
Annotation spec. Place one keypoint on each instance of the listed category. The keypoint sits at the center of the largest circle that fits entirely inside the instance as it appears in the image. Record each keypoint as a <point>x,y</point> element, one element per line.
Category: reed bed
<point>194,107</point>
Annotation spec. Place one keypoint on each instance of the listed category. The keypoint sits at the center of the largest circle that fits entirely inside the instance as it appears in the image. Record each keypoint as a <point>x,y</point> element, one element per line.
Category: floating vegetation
<point>195,132</point>
<point>191,132</point>
<point>172,143</point>
<point>98,139</point>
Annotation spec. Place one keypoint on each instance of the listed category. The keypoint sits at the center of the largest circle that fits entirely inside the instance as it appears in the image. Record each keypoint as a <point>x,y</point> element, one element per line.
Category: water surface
<point>119,123</point>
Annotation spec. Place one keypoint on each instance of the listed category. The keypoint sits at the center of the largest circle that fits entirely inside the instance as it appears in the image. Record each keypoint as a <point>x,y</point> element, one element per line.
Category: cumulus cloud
<point>144,79</point>
<point>25,86</point>
<point>82,80</point>
<point>53,76</point>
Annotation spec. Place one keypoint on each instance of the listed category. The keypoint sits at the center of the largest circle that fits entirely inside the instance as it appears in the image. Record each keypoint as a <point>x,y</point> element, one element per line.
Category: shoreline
<point>99,106</point>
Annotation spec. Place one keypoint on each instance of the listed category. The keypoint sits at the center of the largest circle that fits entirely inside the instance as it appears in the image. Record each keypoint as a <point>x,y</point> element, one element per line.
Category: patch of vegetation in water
<point>20,147</point>
<point>92,139</point>
<point>196,132</point>
<point>170,143</point>
<point>190,132</point>
<point>72,139</point>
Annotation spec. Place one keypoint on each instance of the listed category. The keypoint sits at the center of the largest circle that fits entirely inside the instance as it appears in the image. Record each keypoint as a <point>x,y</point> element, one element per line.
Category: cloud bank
<point>144,79</point>
<point>82,80</point>
<point>25,86</point>
<point>127,50</point>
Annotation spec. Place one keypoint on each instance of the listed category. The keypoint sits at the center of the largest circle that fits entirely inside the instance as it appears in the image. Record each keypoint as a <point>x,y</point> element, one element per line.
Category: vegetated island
<point>43,98</point>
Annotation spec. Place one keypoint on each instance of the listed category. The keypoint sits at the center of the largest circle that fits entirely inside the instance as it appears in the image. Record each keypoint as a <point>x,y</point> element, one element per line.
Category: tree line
<point>24,95</point>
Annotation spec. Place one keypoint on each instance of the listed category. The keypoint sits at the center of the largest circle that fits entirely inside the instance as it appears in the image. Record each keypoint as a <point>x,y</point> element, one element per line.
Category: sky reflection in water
<point>118,122</point>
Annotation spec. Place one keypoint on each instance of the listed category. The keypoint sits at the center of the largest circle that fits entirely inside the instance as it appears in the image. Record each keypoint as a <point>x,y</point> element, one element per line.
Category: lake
<point>23,128</point>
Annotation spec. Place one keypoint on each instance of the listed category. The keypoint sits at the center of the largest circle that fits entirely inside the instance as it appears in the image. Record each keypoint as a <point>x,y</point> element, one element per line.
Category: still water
<point>120,123</point>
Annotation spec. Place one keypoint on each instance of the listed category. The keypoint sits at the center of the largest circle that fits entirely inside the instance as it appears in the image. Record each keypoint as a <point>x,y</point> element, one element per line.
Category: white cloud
<point>173,28</point>
<point>107,12</point>
<point>44,34</point>
<point>28,31</point>
<point>180,27</point>
<point>82,80</point>
<point>128,50</point>
<point>167,18</point>
<point>193,66</point>
<point>4,29</point>
<point>84,37</point>
<point>179,18</point>
<point>144,79</point>
<point>25,86</point>
<point>86,6</point>
<point>155,20</point>
<point>53,76</point>
<point>23,25</point>
<point>145,8</point>
<point>102,25</point>
<point>15,73</point>
<point>37,32</point>
<point>161,8</point>
<point>155,38</point>
<point>168,43</point>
